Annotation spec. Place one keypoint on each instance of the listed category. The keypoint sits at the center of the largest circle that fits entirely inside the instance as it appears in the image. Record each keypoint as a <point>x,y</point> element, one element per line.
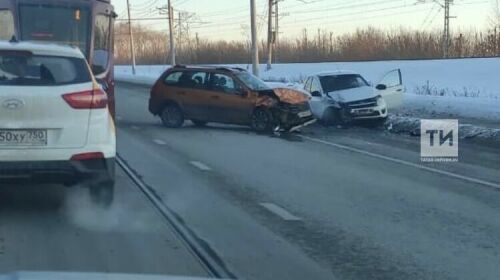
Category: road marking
<point>200,165</point>
<point>278,211</point>
<point>407,163</point>
<point>160,142</point>
<point>135,127</point>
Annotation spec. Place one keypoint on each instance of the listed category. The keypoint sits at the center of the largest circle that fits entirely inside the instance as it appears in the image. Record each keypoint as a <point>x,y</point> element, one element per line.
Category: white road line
<point>278,211</point>
<point>407,163</point>
<point>200,165</point>
<point>135,127</point>
<point>160,142</point>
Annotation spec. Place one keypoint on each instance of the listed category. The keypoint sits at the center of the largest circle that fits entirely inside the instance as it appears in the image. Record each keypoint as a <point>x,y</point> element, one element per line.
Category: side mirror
<point>316,94</point>
<point>381,87</point>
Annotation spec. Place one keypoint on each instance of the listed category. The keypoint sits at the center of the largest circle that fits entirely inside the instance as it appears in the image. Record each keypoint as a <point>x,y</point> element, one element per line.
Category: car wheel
<point>331,117</point>
<point>199,123</point>
<point>172,116</point>
<point>262,120</point>
<point>378,122</point>
<point>103,194</point>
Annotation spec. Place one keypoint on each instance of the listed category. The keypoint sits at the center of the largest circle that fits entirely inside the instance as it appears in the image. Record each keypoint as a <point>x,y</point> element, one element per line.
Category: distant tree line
<point>365,44</point>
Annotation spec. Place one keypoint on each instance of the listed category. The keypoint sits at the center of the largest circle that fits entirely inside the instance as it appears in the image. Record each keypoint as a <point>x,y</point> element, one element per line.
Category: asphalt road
<point>325,204</point>
<point>295,208</point>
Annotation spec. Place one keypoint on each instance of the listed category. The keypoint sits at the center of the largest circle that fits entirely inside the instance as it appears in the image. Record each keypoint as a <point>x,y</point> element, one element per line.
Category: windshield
<point>64,25</point>
<point>24,69</point>
<point>342,82</point>
<point>252,82</point>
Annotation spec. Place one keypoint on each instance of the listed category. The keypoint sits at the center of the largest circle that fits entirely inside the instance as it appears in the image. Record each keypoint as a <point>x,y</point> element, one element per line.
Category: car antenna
<point>13,39</point>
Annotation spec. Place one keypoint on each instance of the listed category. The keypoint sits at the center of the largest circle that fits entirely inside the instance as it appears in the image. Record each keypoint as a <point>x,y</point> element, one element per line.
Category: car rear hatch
<point>44,101</point>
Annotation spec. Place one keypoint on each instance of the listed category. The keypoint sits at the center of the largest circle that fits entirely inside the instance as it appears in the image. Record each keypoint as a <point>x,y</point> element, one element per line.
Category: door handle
<point>182,92</point>
<point>399,90</point>
<point>214,97</point>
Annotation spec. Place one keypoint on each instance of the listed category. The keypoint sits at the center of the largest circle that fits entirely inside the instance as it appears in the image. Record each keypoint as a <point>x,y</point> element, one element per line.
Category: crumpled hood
<point>88,276</point>
<point>353,94</point>
<point>291,96</point>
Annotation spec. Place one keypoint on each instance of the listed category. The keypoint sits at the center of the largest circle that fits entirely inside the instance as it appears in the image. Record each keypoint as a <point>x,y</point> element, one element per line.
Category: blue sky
<point>229,19</point>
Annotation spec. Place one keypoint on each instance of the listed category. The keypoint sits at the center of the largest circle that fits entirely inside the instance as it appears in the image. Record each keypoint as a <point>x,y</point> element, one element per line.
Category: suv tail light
<point>87,156</point>
<point>92,99</point>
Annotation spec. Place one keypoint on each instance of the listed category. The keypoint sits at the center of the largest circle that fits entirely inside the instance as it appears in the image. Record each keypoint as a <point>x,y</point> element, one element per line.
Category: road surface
<point>324,204</point>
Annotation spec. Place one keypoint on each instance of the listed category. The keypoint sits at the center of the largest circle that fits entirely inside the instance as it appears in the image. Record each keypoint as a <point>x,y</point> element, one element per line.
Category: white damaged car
<point>341,97</point>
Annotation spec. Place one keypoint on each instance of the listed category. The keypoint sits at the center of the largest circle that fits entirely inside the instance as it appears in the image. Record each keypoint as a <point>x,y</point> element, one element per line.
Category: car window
<point>342,82</point>
<point>307,86</point>
<point>7,25</point>
<point>224,83</point>
<point>172,79</point>
<point>315,85</point>
<point>392,79</point>
<point>24,69</point>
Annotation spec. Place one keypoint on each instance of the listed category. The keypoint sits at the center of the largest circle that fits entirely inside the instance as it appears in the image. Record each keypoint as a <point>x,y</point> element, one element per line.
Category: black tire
<point>331,117</point>
<point>378,122</point>
<point>172,116</point>
<point>102,194</point>
<point>199,123</point>
<point>262,120</point>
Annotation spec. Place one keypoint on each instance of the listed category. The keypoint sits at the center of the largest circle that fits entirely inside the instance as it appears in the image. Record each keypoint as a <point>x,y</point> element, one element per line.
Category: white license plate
<point>363,112</point>
<point>304,114</point>
<point>24,137</point>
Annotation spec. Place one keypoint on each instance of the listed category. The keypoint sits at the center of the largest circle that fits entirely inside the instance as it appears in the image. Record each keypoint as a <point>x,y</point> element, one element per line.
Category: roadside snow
<point>457,87</point>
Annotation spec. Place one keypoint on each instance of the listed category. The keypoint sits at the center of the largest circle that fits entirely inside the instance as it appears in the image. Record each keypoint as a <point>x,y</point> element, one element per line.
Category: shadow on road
<point>31,198</point>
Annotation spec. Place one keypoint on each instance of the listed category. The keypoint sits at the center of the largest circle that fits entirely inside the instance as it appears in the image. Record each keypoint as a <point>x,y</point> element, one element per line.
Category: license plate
<point>363,112</point>
<point>27,137</point>
<point>305,114</point>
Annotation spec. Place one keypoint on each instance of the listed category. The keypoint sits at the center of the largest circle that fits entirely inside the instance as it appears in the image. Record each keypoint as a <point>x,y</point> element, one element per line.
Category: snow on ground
<point>467,88</point>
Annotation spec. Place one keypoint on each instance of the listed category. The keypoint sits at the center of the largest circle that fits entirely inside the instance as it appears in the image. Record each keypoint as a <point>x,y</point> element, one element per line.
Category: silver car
<point>343,96</point>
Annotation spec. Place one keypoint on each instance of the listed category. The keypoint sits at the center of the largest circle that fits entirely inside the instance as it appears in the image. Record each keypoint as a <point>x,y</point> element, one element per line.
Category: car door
<point>391,88</point>
<point>317,102</point>
<point>230,102</point>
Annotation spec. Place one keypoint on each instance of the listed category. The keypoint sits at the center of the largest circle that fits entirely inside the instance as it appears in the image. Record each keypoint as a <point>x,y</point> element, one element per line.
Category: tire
<point>199,123</point>
<point>378,122</point>
<point>262,120</point>
<point>172,116</point>
<point>331,117</point>
<point>102,194</point>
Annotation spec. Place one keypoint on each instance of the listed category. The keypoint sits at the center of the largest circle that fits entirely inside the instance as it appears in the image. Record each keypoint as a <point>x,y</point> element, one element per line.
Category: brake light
<point>87,156</point>
<point>92,99</point>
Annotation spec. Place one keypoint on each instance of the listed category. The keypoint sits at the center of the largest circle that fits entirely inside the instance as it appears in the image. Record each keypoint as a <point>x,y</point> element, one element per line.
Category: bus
<point>86,24</point>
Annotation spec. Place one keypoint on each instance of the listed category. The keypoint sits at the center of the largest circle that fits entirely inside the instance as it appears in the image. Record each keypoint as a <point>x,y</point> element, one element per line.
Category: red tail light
<point>87,156</point>
<point>92,99</point>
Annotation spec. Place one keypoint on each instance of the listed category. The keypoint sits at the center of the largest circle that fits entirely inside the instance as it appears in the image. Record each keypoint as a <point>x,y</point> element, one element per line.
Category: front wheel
<point>262,120</point>
<point>172,116</point>
<point>103,194</point>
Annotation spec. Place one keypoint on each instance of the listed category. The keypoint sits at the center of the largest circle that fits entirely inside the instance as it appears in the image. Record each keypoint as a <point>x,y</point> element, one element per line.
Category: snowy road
<point>293,208</point>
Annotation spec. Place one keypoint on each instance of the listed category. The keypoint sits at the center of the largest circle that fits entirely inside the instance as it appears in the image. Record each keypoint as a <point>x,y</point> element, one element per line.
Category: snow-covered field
<point>457,87</point>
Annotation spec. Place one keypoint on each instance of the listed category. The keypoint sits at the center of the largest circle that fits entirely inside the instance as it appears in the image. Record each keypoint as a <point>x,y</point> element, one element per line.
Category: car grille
<point>366,103</point>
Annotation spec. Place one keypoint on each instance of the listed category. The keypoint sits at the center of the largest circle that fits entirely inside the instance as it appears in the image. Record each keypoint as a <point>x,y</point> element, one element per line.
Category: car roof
<point>336,73</point>
<point>209,68</point>
<point>39,48</point>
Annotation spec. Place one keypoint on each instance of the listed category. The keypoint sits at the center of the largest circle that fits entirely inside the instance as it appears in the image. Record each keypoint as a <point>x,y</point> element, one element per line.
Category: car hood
<point>353,94</point>
<point>87,276</point>
<point>291,96</point>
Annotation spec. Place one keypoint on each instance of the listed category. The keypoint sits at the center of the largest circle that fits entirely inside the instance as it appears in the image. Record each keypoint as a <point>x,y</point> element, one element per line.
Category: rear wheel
<point>262,120</point>
<point>172,116</point>
<point>199,123</point>
<point>331,117</point>
<point>103,194</point>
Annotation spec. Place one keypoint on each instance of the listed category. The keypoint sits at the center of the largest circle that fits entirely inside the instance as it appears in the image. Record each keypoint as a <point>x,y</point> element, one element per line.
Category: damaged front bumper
<point>291,117</point>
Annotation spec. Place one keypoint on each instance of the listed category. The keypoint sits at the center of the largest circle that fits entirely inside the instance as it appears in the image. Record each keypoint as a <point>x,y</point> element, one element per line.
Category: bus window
<point>101,44</point>
<point>7,25</point>
<point>56,24</point>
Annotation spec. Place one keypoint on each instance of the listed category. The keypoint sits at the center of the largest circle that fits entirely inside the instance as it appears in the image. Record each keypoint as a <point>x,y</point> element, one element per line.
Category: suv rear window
<point>25,69</point>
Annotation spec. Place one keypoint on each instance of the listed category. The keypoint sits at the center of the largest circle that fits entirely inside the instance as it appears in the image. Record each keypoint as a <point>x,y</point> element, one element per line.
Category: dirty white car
<point>344,96</point>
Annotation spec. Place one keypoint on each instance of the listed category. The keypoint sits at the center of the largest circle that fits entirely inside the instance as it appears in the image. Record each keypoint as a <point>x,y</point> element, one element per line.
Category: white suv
<point>55,126</point>
<point>343,96</point>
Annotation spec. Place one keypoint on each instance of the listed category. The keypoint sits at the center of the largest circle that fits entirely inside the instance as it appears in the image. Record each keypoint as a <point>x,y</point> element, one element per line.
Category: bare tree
<point>494,18</point>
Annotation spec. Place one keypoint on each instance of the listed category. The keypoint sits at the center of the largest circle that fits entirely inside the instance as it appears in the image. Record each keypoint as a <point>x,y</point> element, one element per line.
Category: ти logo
<point>439,140</point>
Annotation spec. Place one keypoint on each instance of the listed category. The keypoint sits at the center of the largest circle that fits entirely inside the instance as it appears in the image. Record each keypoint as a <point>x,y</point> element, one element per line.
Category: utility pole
<point>270,34</point>
<point>171,31</point>
<point>255,43</point>
<point>131,35</point>
<point>446,32</point>
<point>179,25</point>
<point>276,30</point>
